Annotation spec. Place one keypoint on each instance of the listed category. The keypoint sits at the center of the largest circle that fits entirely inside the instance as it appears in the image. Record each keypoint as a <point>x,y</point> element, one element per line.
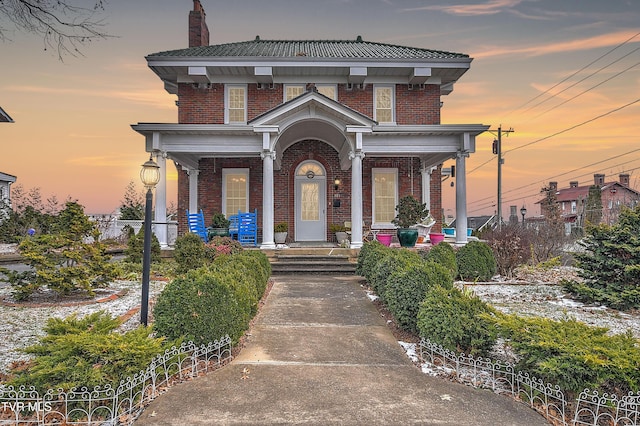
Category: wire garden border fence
<point>106,406</point>
<point>589,409</point>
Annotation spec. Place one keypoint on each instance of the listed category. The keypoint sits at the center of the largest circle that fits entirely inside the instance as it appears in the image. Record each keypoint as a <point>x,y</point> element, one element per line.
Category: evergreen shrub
<point>135,248</point>
<point>457,321</point>
<point>443,254</point>
<point>85,352</point>
<point>476,262</point>
<point>391,260</point>
<point>203,305</point>
<point>573,355</point>
<point>370,254</point>
<point>408,286</point>
<point>190,253</point>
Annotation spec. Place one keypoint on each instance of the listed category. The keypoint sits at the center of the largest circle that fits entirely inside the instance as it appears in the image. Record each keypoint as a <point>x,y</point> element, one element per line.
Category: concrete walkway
<point>320,354</point>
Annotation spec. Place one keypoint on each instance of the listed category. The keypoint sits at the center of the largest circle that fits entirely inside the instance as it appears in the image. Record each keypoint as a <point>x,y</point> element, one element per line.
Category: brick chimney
<point>573,184</point>
<point>624,179</point>
<point>553,186</point>
<point>598,179</point>
<point>198,30</point>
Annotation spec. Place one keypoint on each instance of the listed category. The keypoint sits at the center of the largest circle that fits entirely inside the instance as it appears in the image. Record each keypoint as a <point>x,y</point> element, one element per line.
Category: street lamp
<point>150,176</point>
<point>523,212</point>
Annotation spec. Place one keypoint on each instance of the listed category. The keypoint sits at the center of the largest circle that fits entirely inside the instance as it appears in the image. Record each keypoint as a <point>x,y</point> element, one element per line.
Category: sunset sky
<point>564,74</point>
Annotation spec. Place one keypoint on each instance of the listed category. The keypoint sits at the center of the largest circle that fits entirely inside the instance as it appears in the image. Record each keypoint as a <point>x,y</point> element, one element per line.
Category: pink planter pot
<point>384,239</point>
<point>436,237</point>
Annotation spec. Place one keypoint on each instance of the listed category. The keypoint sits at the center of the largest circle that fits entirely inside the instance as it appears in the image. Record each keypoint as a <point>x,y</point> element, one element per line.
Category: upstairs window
<point>384,102</point>
<point>328,90</point>
<point>293,91</point>
<point>235,104</point>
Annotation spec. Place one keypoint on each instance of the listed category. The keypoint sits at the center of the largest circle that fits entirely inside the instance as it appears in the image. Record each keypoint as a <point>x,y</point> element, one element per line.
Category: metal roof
<point>319,49</point>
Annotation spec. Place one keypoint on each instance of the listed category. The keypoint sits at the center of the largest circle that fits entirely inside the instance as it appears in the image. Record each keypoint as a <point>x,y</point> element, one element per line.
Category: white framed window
<point>235,104</point>
<point>384,104</point>
<point>574,206</point>
<point>328,90</point>
<point>385,196</point>
<point>235,191</point>
<point>293,91</point>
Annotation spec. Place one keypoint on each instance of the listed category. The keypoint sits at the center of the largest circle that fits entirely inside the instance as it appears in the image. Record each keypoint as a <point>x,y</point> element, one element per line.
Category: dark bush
<point>190,253</point>
<point>573,355</point>
<point>370,254</point>
<point>511,247</point>
<point>86,352</point>
<point>391,260</point>
<point>257,261</point>
<point>457,321</point>
<point>442,254</point>
<point>203,305</point>
<point>475,262</point>
<point>408,286</point>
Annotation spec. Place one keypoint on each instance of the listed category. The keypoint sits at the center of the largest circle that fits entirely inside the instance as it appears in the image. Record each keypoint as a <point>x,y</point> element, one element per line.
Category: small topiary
<point>407,288</point>
<point>190,253</point>
<point>457,321</point>
<point>135,247</point>
<point>443,254</point>
<point>203,305</point>
<point>475,261</point>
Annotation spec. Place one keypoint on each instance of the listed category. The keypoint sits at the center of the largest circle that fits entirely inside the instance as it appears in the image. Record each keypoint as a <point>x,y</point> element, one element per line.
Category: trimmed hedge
<point>457,321</point>
<point>190,253</point>
<point>368,258</point>
<point>476,262</point>
<point>408,286</point>
<point>444,254</point>
<point>391,260</point>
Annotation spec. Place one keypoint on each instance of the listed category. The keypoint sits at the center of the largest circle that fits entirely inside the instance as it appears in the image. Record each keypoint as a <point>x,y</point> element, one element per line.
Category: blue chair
<point>196,225</point>
<point>248,228</point>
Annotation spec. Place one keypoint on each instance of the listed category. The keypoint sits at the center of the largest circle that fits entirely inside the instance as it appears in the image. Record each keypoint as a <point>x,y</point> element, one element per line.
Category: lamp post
<point>150,176</point>
<point>523,212</point>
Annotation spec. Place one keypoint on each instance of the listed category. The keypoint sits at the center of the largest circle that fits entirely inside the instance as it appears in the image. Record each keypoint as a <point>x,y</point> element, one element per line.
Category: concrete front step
<point>318,261</point>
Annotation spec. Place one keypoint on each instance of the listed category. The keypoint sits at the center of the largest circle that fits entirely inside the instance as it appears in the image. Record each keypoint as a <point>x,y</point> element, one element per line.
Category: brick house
<point>307,132</point>
<point>572,200</point>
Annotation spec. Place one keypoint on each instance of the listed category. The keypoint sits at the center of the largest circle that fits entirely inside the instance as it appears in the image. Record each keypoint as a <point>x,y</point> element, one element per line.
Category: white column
<point>193,190</point>
<point>268,158</point>
<point>426,186</point>
<point>461,199</point>
<point>160,227</point>
<point>356,197</point>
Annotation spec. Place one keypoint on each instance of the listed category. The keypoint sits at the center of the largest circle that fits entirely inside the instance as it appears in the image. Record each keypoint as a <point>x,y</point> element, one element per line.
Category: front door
<point>310,202</point>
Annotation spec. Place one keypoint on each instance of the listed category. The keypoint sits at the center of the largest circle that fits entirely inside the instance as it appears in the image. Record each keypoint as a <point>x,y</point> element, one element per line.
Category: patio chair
<point>248,228</point>
<point>233,226</point>
<point>196,225</point>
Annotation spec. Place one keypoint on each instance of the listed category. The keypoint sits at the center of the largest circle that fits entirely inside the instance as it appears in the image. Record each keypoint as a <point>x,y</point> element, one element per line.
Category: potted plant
<point>219,225</point>
<point>410,213</point>
<point>340,230</point>
<point>280,232</point>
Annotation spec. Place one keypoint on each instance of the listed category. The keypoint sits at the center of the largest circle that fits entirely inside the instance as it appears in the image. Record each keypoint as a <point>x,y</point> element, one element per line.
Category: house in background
<point>307,132</point>
<point>4,117</point>
<point>573,200</point>
<point>5,189</point>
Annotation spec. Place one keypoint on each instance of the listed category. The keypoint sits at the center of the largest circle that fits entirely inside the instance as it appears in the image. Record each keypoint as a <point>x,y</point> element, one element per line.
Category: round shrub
<point>407,288</point>
<point>257,260</point>
<point>443,254</point>
<point>457,321</point>
<point>391,260</point>
<point>476,262</point>
<point>203,305</point>
<point>370,254</point>
<point>189,253</point>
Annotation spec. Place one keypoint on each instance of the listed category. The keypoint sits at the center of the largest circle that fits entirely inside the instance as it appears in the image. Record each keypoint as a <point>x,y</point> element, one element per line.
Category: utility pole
<point>497,149</point>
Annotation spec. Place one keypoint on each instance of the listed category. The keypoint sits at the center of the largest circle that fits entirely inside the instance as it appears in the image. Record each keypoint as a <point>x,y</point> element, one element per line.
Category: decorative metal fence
<point>589,409</point>
<point>106,406</point>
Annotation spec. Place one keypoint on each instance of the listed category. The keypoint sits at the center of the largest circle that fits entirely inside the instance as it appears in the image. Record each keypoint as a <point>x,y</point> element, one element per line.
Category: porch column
<point>461,198</point>
<point>426,185</point>
<point>356,197</point>
<point>160,222</point>
<point>268,158</point>
<point>193,189</point>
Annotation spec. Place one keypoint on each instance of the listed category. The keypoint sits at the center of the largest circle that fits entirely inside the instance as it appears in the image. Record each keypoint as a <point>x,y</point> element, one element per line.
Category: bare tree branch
<point>63,26</point>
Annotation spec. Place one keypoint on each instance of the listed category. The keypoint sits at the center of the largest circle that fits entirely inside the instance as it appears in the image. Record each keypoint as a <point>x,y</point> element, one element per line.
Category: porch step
<point>310,262</point>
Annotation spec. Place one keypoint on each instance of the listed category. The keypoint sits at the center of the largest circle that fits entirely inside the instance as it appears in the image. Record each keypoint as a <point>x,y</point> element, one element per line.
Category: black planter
<point>407,237</point>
